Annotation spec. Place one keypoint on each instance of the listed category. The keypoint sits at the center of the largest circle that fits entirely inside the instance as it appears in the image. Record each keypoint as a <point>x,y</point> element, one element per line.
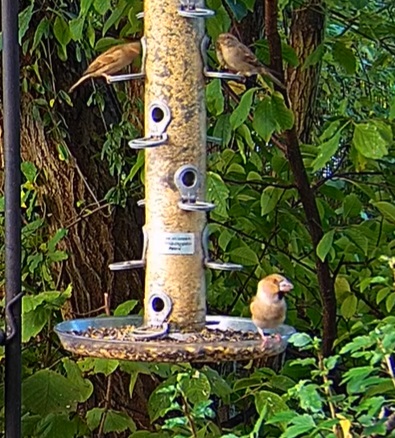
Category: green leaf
<point>85,386</point>
<point>390,302</point>
<point>301,424</point>
<point>41,31</point>
<point>310,398</point>
<point>46,391</point>
<point>238,9</point>
<point>289,55</point>
<point>240,114</point>
<point>349,307</point>
<point>24,19</point>
<point>222,129</point>
<point>85,6</point>
<point>325,245</point>
<point>282,114</point>
<point>102,6</point>
<point>220,22</point>
<point>76,27</point>
<point>50,426</point>
<point>269,199</point>
<point>115,16</point>
<point>219,386</point>
<point>59,235</point>
<point>271,402</point>
<point>196,387</point>
<point>352,206</point>
<point>162,399</point>
<point>264,122</point>
<point>300,339</point>
<point>326,151</point>
<point>215,98</point>
<point>106,366</point>
<point>372,139</point>
<point>118,422</point>
<point>245,256</point>
<point>217,192</point>
<point>386,209</point>
<point>61,31</point>
<point>392,109</point>
<point>314,57</point>
<point>29,170</point>
<point>125,308</point>
<point>34,322</point>
<point>345,57</point>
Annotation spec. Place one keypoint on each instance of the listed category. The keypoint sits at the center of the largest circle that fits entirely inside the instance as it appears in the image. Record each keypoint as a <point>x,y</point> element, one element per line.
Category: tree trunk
<point>306,34</point>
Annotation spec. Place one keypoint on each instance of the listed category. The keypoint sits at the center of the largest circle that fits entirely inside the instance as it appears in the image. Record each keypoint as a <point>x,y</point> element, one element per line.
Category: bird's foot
<point>107,78</point>
<point>267,339</point>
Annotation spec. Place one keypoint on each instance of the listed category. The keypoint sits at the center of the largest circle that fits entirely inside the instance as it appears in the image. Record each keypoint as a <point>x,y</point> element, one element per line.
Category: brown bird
<point>111,61</point>
<point>238,58</point>
<point>268,307</point>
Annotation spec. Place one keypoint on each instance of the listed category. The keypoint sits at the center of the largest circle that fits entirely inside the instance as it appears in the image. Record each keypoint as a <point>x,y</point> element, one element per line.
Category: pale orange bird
<point>238,58</point>
<point>111,61</point>
<point>268,307</point>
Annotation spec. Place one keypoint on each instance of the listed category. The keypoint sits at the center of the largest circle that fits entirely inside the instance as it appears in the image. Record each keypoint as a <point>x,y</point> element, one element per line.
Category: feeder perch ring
<point>123,78</point>
<point>159,308</point>
<point>196,206</point>
<point>196,13</point>
<point>141,203</point>
<point>140,15</point>
<point>148,142</point>
<point>223,75</point>
<point>127,265</point>
<point>148,332</point>
<point>223,266</point>
<point>133,264</point>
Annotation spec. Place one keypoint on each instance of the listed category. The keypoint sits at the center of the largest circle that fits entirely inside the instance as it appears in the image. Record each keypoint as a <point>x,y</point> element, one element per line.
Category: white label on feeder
<point>174,243</point>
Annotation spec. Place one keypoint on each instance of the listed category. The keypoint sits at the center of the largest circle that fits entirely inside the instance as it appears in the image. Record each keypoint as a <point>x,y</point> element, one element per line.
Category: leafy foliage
<point>259,222</point>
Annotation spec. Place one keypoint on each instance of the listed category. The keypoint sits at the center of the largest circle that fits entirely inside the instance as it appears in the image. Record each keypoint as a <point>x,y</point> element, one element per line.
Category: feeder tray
<point>225,338</point>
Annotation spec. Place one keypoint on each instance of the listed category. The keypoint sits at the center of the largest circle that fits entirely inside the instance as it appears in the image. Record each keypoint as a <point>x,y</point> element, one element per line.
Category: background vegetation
<point>306,190</point>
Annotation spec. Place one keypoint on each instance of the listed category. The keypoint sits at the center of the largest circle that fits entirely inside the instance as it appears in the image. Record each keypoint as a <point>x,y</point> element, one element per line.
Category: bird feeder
<point>175,327</point>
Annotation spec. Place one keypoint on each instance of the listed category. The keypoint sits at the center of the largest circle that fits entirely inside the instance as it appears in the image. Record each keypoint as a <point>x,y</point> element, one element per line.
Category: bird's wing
<point>219,54</point>
<point>250,58</point>
<point>102,61</point>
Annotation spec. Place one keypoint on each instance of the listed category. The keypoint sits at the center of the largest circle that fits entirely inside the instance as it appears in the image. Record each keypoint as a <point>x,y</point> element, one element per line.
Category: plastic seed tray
<point>224,338</point>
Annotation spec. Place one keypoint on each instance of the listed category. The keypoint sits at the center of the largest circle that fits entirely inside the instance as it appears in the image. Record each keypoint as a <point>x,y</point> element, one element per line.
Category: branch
<point>306,193</point>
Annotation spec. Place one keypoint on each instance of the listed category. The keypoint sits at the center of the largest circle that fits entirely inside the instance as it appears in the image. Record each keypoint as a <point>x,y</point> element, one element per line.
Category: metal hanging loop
<point>159,119</point>
<point>210,264</point>
<point>133,264</point>
<point>4,338</point>
<point>131,76</point>
<point>188,9</point>
<point>188,182</point>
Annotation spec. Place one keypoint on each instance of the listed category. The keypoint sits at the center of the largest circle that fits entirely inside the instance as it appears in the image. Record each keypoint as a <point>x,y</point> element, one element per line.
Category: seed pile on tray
<point>125,333</point>
<point>208,345</point>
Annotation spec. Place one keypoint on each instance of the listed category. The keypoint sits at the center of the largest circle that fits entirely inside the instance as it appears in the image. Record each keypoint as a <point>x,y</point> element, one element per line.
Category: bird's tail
<point>264,71</point>
<point>79,82</point>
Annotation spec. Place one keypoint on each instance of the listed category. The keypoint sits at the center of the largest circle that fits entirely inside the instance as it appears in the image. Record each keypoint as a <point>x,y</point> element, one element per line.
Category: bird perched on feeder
<point>111,61</point>
<point>238,58</point>
<point>268,307</point>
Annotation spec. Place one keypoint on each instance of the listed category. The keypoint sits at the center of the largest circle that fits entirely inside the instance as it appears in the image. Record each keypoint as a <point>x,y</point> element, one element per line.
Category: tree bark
<point>307,195</point>
<point>306,34</point>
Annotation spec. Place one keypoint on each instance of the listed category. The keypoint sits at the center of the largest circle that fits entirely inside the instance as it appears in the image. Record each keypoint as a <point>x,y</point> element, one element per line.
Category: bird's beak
<point>286,286</point>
